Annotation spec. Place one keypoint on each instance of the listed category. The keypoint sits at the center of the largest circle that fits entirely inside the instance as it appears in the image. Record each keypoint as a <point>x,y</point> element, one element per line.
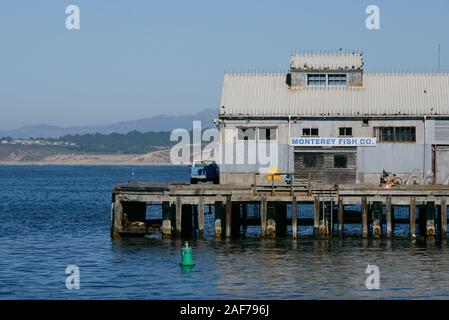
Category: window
<point>247,134</point>
<point>346,132</point>
<point>322,79</point>
<point>316,79</point>
<point>395,134</point>
<point>310,160</point>
<point>310,132</point>
<point>405,134</point>
<point>267,134</point>
<point>336,79</point>
<point>340,161</point>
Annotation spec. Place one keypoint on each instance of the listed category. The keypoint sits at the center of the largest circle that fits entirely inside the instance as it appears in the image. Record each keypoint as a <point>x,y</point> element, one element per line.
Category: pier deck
<point>183,206</point>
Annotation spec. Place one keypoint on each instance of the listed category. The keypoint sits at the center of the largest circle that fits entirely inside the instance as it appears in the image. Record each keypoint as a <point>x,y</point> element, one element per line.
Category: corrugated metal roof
<point>331,61</point>
<point>381,94</point>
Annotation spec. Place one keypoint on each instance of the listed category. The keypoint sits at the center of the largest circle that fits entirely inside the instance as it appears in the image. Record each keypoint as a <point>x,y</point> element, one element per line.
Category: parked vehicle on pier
<point>204,171</point>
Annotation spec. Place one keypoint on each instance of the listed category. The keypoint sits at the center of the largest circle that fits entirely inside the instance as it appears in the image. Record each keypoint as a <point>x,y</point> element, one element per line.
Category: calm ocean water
<point>53,216</point>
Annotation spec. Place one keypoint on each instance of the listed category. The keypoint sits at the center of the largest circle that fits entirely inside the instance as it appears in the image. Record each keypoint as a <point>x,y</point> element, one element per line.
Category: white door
<point>442,164</point>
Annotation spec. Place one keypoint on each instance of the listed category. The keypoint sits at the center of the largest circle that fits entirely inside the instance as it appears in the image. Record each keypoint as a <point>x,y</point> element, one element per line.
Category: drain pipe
<point>424,153</point>
<point>288,143</point>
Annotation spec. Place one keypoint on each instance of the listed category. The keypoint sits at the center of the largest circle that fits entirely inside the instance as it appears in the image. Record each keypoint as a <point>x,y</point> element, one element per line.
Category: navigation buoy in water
<point>186,256</point>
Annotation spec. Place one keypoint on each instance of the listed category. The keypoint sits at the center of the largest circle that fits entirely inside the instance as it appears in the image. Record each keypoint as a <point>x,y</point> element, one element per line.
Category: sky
<point>137,59</point>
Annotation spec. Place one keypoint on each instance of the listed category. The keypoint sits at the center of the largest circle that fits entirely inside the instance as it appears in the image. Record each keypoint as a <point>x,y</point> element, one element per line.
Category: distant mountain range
<point>157,123</point>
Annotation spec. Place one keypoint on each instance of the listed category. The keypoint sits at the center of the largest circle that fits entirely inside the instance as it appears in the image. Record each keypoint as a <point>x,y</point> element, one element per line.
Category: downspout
<point>424,153</point>
<point>288,144</point>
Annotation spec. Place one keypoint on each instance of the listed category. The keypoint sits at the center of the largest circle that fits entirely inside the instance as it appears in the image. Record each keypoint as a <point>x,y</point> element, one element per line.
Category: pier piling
<point>443,217</point>
<point>201,217</point>
<point>430,219</point>
<point>263,217</point>
<point>316,216</point>
<point>412,217</point>
<point>377,210</point>
<point>389,217</point>
<point>218,219</point>
<point>294,218</point>
<point>340,217</point>
<point>228,217</point>
<point>178,208</point>
<point>364,218</point>
<point>166,228</point>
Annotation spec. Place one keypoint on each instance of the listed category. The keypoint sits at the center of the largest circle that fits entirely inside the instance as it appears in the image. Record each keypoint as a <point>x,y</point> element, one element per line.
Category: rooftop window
<point>323,79</point>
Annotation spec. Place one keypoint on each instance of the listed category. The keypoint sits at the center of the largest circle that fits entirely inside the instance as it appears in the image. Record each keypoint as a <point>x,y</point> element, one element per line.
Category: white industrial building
<point>333,123</point>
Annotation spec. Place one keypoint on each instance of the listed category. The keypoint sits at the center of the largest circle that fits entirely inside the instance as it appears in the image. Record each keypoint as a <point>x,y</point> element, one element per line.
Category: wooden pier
<point>183,207</point>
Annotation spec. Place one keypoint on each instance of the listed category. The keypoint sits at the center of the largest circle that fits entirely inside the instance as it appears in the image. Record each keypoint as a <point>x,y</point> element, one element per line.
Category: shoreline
<point>129,164</point>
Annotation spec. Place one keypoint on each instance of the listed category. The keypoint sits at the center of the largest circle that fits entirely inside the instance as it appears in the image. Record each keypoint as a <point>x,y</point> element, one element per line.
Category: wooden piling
<point>228,216</point>
<point>340,217</point>
<point>316,215</point>
<point>201,217</point>
<point>263,217</point>
<point>443,217</point>
<point>178,216</point>
<point>271,221</point>
<point>364,218</point>
<point>389,221</point>
<point>166,228</point>
<point>294,218</point>
<point>218,218</point>
<point>412,217</point>
<point>377,219</point>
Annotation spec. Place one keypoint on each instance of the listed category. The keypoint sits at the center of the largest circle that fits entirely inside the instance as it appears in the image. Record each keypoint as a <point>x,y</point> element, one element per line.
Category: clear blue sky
<point>136,59</point>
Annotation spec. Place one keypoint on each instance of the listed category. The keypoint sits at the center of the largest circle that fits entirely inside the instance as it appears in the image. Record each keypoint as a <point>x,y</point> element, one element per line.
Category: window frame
<point>311,129</point>
<point>345,129</point>
<point>395,134</point>
<point>341,156</point>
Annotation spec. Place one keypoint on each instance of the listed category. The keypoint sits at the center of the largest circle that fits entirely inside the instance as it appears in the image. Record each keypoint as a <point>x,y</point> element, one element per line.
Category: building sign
<point>333,142</point>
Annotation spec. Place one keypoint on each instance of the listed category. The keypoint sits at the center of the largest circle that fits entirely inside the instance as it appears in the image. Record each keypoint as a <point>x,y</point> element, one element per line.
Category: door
<point>442,164</point>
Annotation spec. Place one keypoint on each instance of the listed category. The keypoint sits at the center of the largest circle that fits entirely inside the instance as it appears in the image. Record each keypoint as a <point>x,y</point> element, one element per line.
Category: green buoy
<point>186,256</point>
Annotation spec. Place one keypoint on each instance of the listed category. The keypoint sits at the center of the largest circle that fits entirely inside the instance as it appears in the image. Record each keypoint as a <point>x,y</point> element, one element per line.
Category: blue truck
<point>204,171</point>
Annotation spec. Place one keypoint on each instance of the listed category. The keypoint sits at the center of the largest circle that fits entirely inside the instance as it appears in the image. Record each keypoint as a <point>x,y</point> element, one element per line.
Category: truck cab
<point>204,171</point>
